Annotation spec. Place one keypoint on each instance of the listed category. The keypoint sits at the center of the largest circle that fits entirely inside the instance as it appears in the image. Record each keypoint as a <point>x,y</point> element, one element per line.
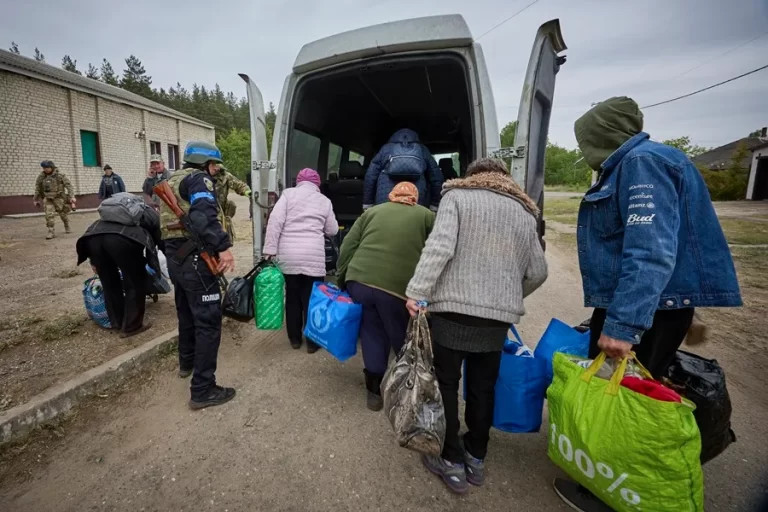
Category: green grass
<point>745,232</point>
<point>562,210</point>
<point>61,327</point>
<point>565,188</point>
<point>750,263</point>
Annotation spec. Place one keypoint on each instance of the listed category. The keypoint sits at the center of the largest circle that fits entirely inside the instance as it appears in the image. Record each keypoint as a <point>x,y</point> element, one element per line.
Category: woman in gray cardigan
<point>482,258</point>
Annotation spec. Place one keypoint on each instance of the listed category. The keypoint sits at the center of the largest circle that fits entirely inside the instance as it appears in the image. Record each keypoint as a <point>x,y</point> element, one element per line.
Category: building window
<point>89,142</point>
<point>155,148</point>
<point>173,157</point>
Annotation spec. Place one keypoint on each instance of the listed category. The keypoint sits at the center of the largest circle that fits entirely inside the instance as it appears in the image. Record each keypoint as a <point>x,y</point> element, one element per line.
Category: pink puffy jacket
<point>296,229</point>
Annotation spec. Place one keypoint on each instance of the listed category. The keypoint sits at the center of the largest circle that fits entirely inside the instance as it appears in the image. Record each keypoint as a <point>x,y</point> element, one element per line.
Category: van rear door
<point>535,110</point>
<point>262,170</point>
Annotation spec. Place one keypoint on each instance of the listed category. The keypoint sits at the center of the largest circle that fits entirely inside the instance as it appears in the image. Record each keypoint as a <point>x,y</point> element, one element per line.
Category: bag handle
<point>516,335</point>
<point>423,343</point>
<point>615,382</point>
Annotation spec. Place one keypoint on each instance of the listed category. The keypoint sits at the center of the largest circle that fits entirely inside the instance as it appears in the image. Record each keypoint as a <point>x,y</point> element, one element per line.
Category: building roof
<point>26,66</point>
<point>721,158</point>
<point>429,33</point>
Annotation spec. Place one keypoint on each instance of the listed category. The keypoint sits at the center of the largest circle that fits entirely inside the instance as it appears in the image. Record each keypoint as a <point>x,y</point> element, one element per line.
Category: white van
<point>348,93</point>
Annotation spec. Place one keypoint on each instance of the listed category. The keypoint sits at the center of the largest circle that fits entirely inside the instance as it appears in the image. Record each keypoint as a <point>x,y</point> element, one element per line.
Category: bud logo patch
<point>635,219</point>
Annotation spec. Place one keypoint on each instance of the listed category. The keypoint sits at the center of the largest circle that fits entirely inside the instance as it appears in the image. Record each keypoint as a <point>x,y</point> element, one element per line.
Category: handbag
<point>412,399</point>
<point>239,303</point>
<point>93,297</point>
<point>333,320</point>
<point>269,305</point>
<point>561,337</point>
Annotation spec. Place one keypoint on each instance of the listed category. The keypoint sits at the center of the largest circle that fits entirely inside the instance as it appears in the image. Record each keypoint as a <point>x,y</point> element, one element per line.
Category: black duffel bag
<point>702,381</point>
<point>238,303</point>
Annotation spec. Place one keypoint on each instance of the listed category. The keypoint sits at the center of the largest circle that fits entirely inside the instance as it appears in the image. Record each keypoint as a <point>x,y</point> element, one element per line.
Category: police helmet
<point>47,163</point>
<point>199,152</point>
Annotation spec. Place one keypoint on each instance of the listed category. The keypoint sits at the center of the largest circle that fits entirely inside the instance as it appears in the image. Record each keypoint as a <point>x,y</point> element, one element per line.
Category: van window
<point>305,152</point>
<point>357,157</point>
<point>334,158</point>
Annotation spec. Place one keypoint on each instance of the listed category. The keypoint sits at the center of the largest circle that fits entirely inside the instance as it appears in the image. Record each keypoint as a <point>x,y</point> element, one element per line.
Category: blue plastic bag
<point>560,337</point>
<point>156,283</point>
<point>520,389</point>
<point>93,296</point>
<point>333,321</point>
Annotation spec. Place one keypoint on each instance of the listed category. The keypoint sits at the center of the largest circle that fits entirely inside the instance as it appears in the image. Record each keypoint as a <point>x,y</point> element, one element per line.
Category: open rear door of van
<point>262,170</point>
<point>535,110</point>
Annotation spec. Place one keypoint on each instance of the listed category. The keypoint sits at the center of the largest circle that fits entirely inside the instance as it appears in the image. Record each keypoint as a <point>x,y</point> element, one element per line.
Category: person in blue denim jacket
<point>650,247</point>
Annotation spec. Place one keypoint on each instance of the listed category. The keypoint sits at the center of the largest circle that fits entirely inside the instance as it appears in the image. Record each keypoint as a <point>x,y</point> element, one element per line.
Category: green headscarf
<point>605,127</point>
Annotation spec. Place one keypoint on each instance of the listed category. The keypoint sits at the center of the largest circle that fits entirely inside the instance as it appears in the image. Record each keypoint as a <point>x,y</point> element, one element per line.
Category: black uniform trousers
<point>658,346</point>
<point>124,298</point>
<point>198,307</point>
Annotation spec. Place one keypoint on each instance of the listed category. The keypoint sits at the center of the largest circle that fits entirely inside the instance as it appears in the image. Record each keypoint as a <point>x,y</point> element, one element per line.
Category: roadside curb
<point>61,398</point>
<point>42,214</point>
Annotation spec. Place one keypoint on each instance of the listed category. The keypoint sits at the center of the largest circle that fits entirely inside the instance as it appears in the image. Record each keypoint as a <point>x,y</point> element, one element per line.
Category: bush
<point>566,167</point>
<point>730,185</point>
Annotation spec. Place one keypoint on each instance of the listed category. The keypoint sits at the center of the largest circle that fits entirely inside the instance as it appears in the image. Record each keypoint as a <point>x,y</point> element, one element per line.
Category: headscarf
<point>309,175</point>
<point>405,192</point>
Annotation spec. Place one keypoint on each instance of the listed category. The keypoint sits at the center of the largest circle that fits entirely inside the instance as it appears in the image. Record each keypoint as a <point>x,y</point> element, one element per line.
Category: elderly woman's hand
<point>414,306</point>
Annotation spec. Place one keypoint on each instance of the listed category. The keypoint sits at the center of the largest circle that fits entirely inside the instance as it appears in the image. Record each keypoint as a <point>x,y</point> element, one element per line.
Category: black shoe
<point>140,330</point>
<point>312,347</point>
<point>183,374</point>
<point>295,345</point>
<point>578,497</point>
<point>216,396</point>
<point>373,384</point>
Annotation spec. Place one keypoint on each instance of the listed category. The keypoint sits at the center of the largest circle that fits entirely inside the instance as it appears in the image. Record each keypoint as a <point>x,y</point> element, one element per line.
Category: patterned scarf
<point>405,192</point>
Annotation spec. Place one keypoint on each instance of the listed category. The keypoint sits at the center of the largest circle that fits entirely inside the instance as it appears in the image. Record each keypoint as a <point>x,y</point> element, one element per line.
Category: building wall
<point>753,170</point>
<point>40,121</point>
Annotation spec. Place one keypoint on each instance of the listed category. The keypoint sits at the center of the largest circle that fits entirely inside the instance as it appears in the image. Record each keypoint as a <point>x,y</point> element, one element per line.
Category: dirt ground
<point>298,437</point>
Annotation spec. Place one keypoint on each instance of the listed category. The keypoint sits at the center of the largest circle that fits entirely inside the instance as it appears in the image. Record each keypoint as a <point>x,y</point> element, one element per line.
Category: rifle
<point>165,193</point>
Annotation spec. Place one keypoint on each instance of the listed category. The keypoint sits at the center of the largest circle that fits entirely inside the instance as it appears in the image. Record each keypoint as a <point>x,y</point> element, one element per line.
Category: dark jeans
<point>383,325</point>
<point>482,372</point>
<point>298,288</point>
<point>124,298</point>
<point>198,308</point>
<point>657,347</point>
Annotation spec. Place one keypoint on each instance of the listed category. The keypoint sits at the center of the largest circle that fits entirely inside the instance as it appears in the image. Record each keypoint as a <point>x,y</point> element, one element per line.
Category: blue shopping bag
<point>333,321</point>
<point>520,389</point>
<point>93,296</point>
<point>561,337</point>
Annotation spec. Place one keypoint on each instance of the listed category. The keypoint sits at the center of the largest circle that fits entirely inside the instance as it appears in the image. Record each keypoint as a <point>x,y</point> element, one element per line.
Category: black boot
<point>373,384</point>
<point>217,395</point>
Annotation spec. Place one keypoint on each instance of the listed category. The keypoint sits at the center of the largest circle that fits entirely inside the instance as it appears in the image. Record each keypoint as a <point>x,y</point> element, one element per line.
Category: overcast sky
<point>616,47</point>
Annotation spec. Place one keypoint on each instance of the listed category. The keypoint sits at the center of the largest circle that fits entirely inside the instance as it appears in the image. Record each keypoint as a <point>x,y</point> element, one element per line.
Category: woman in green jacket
<point>378,258</point>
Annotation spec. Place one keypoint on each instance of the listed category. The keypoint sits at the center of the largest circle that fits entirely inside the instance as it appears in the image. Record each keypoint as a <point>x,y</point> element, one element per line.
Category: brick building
<point>81,124</point>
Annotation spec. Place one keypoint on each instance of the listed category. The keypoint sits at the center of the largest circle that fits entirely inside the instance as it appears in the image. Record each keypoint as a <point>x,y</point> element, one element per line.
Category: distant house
<point>755,160</point>
<point>47,113</point>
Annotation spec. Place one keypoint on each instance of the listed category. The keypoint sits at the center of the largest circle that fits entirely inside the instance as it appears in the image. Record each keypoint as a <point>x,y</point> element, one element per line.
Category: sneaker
<point>578,497</point>
<point>374,402</point>
<point>51,235</point>
<point>452,473</point>
<point>216,396</point>
<point>475,469</point>
<point>183,374</point>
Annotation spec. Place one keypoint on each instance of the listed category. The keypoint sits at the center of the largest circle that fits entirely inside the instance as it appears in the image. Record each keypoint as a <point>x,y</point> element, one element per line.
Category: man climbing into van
<point>403,158</point>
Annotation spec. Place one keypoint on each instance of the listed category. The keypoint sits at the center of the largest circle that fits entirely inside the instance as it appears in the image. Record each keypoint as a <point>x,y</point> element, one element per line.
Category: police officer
<point>55,189</point>
<point>198,296</point>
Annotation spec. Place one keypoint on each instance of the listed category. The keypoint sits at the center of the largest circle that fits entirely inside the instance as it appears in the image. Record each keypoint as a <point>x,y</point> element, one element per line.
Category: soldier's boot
<point>67,230</point>
<point>51,234</point>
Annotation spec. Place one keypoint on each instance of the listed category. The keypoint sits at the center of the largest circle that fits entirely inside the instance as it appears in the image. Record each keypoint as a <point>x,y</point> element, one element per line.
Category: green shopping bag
<point>630,450</point>
<point>269,291</point>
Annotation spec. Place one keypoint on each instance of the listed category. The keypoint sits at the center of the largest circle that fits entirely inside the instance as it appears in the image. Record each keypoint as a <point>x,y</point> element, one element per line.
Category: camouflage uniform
<point>56,191</point>
<point>224,182</point>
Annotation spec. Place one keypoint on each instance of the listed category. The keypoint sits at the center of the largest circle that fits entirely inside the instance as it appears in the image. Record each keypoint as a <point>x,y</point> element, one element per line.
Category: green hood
<point>605,127</point>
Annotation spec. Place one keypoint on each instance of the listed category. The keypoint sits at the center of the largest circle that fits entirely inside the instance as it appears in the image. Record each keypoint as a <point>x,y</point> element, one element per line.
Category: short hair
<point>487,165</point>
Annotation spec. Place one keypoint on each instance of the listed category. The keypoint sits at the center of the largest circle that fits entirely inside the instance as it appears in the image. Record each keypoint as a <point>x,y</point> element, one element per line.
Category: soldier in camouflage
<point>54,189</point>
<point>225,181</point>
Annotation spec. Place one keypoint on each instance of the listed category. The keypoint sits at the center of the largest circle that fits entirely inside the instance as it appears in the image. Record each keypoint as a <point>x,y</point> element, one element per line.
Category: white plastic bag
<point>163,264</point>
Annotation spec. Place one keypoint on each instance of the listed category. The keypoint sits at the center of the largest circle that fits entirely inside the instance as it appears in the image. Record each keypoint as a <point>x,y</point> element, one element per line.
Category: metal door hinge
<point>518,152</point>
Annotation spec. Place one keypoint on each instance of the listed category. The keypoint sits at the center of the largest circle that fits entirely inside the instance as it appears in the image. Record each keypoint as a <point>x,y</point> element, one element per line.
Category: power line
<point>722,54</point>
<point>706,88</point>
<point>506,20</point>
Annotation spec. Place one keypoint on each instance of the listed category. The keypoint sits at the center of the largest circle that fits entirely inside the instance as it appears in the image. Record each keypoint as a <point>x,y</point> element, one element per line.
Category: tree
<point>684,144</point>
<point>508,135</point>
<point>70,65</point>
<point>14,48</point>
<point>756,133</point>
<point>39,57</point>
<point>235,149</point>
<point>108,73</point>
<point>93,72</point>
<point>270,118</point>
<point>135,78</point>
<point>565,167</point>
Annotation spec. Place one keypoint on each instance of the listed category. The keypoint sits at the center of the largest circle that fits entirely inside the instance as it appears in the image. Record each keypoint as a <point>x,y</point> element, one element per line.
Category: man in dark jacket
<point>380,179</point>
<point>650,248</point>
<point>114,249</point>
<point>111,184</point>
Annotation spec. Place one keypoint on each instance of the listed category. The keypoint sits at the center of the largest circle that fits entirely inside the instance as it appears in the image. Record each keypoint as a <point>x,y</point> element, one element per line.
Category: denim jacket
<point>649,239</point>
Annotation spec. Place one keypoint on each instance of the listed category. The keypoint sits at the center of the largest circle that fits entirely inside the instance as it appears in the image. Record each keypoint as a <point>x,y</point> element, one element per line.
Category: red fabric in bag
<point>651,388</point>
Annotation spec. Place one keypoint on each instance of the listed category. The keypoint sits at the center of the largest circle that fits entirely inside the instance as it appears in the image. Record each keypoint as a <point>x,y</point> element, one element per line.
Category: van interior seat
<point>346,193</point>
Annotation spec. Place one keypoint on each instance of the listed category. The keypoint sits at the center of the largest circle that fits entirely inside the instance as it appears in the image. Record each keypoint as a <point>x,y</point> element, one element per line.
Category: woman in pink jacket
<point>296,232</point>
